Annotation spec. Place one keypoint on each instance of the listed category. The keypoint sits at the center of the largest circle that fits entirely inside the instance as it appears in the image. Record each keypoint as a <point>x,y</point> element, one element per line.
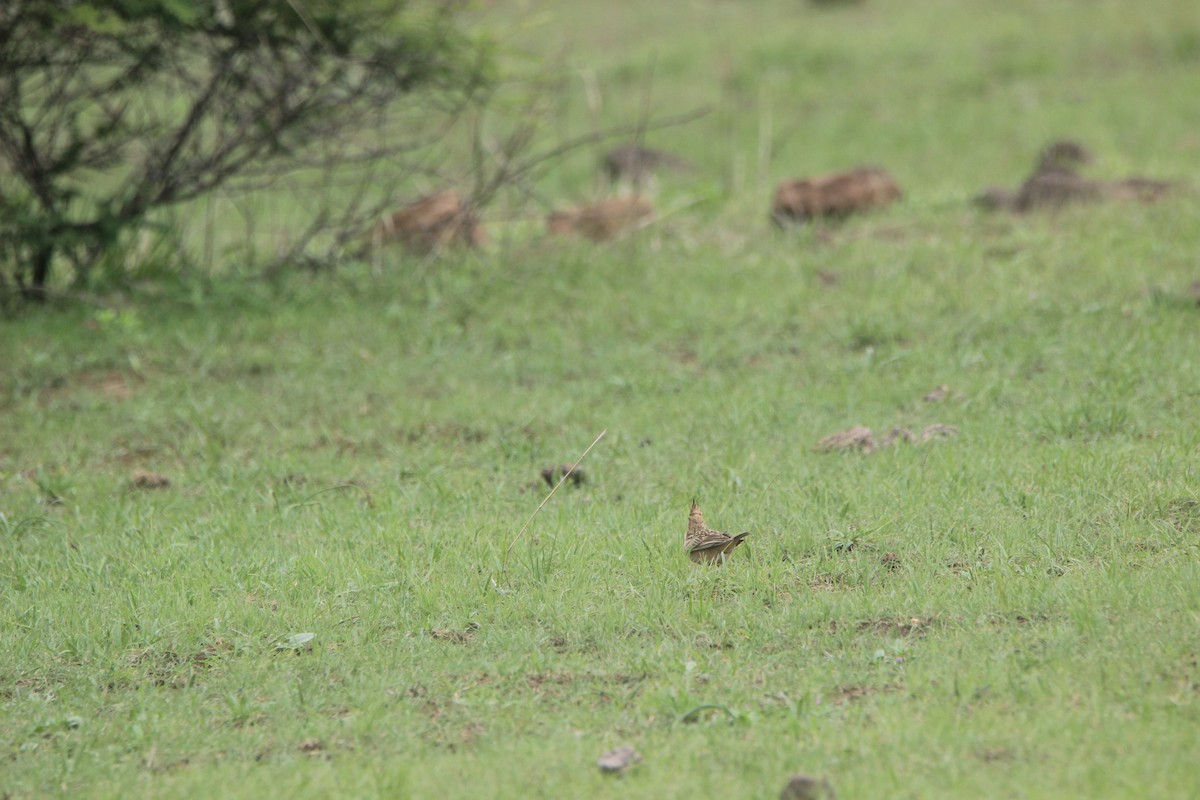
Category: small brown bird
<point>704,546</point>
<point>552,475</point>
<point>604,220</point>
<point>636,163</point>
<point>836,195</point>
<point>1056,183</point>
<point>433,222</point>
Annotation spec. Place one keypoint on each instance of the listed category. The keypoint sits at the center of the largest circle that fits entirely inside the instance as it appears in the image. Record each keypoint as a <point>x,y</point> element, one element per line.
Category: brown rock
<point>836,194</point>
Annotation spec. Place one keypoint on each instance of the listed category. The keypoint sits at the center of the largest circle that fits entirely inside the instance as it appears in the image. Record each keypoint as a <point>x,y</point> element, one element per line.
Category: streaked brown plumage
<point>636,163</point>
<point>704,546</point>
<point>837,194</point>
<point>604,220</point>
<point>1056,183</point>
<point>435,221</point>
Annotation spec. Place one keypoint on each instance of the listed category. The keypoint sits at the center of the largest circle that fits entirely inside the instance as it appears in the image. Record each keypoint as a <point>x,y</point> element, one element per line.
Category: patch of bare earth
<point>175,671</point>
<point>144,479</point>
<point>863,440</point>
<point>111,385</point>
<point>1003,620</point>
<point>913,626</point>
<point>1184,515</point>
<point>857,438</point>
<point>937,395</point>
<point>314,748</point>
<point>990,755</point>
<point>556,684</point>
<point>827,583</point>
<point>464,636</point>
<point>843,695</point>
<point>894,628</point>
<point>154,761</point>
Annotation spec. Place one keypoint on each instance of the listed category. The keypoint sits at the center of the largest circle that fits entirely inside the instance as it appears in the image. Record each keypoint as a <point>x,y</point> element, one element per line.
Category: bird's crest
<point>696,519</point>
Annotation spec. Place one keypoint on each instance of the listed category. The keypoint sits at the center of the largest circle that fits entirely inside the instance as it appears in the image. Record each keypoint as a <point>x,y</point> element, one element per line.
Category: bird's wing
<point>709,539</point>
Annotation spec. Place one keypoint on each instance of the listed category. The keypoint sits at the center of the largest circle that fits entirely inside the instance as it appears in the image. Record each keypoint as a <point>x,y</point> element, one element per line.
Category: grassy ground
<point>1010,612</point>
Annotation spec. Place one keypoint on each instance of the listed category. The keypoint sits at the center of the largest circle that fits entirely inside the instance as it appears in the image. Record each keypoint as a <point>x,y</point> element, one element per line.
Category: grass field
<point>324,600</point>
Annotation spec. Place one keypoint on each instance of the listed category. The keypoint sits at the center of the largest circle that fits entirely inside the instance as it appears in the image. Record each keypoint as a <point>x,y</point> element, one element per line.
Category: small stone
<point>619,760</point>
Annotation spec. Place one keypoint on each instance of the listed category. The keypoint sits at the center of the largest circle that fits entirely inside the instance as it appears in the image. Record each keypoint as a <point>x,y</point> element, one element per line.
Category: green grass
<point>352,455</point>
